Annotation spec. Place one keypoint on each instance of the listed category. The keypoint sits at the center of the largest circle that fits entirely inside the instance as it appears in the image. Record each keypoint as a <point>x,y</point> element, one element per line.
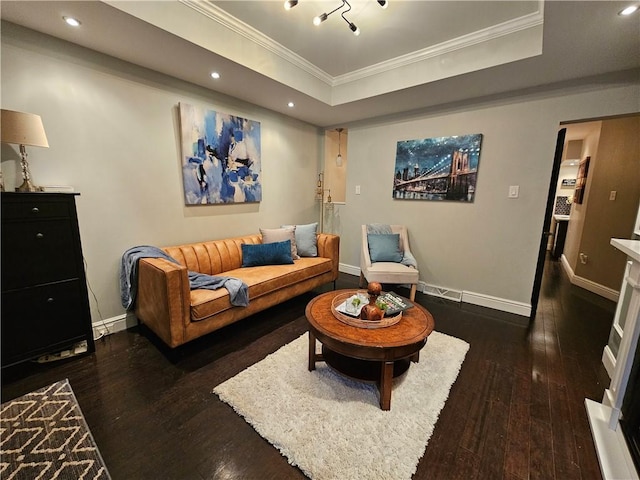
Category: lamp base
<point>27,186</point>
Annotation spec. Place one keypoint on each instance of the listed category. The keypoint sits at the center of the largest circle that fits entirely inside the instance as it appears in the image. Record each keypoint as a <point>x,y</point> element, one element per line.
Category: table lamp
<point>23,129</point>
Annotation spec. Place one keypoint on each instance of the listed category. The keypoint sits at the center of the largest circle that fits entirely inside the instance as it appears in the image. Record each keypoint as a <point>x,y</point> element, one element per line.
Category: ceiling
<point>413,56</point>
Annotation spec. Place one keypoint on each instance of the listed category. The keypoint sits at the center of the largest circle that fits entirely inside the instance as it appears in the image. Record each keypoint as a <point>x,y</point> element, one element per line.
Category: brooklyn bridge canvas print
<point>441,168</point>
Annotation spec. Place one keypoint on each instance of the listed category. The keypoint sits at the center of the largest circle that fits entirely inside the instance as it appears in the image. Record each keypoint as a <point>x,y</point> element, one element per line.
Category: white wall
<point>486,249</point>
<point>113,134</point>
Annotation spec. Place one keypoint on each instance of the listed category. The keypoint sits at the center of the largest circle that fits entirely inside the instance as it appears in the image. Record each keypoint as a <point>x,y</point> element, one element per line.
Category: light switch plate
<point>514,191</point>
<point>357,189</point>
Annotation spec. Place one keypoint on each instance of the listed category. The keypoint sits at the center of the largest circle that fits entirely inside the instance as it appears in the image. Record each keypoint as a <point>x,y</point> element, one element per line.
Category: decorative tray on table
<point>346,308</point>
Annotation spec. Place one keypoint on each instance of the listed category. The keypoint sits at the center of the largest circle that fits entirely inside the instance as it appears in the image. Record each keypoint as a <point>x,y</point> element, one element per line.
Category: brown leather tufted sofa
<point>177,314</point>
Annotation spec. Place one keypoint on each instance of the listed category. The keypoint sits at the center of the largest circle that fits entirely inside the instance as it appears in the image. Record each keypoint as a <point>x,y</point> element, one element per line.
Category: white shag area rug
<point>331,427</point>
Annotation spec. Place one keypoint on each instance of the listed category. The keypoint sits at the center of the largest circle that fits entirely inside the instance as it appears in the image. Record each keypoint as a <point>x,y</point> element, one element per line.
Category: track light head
<point>356,31</point>
<point>289,4</point>
<point>319,19</point>
<point>383,3</point>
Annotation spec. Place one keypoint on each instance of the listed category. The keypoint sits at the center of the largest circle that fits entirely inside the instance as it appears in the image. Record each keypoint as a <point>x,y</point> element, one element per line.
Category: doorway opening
<point>603,155</point>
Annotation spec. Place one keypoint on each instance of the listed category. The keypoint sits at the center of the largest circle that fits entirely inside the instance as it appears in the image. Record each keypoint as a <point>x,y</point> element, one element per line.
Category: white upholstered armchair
<point>386,257</point>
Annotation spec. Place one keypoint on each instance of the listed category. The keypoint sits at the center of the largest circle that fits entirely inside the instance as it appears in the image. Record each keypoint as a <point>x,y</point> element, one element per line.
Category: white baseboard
<point>350,269</point>
<point>482,300</point>
<point>613,454</point>
<point>587,284</point>
<point>608,360</point>
<point>596,288</point>
<point>496,303</point>
<point>567,268</point>
<point>113,325</point>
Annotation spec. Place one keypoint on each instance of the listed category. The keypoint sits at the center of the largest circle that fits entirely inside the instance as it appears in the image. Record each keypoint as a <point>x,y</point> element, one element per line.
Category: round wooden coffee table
<point>373,355</point>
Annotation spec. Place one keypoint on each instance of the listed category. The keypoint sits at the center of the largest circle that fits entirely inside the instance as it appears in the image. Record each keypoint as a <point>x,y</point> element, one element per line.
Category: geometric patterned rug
<point>43,435</point>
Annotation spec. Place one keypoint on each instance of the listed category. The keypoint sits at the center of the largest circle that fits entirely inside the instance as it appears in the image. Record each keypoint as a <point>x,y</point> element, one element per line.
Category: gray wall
<point>486,249</point>
<point>113,133</point>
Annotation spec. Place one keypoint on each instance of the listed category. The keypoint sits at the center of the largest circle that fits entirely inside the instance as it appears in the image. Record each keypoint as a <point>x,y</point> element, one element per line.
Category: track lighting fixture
<point>289,4</point>
<point>352,26</point>
<point>320,18</point>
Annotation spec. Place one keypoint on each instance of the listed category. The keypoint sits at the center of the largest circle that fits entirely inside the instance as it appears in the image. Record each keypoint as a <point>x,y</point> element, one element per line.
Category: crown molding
<point>490,33</point>
<point>221,17</point>
<point>245,30</point>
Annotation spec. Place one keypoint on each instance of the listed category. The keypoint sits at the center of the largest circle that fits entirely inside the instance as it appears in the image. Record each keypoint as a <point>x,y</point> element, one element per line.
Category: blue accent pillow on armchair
<point>276,253</point>
<point>384,247</point>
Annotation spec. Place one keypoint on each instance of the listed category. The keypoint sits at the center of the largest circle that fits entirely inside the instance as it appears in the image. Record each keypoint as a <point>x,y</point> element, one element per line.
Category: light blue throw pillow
<point>384,247</point>
<point>276,253</point>
<point>306,240</point>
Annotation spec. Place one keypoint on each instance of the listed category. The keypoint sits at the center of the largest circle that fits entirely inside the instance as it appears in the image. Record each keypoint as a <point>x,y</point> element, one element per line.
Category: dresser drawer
<point>34,206</point>
<point>41,319</point>
<point>38,252</point>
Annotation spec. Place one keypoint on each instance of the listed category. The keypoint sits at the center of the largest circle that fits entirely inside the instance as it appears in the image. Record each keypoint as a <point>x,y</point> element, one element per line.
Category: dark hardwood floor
<point>515,412</point>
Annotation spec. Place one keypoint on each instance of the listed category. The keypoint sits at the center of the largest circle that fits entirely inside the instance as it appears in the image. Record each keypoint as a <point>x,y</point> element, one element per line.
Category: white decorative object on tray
<point>355,321</point>
<point>353,304</point>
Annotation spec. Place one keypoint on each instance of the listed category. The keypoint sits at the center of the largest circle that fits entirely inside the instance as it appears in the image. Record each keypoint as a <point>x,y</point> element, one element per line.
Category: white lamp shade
<point>23,129</point>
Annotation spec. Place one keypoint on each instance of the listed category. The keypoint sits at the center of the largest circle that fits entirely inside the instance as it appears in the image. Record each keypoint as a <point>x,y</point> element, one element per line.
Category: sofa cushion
<point>271,235</point>
<point>306,239</point>
<point>260,280</point>
<point>213,257</point>
<point>274,253</point>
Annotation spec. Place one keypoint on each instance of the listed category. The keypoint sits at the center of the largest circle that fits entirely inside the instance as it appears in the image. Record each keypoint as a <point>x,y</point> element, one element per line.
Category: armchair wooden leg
<point>412,295</point>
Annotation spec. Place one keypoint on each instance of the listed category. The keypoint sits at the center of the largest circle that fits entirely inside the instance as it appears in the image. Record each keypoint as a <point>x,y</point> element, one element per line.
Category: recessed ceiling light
<point>629,10</point>
<point>291,104</point>
<point>215,75</point>
<point>71,21</point>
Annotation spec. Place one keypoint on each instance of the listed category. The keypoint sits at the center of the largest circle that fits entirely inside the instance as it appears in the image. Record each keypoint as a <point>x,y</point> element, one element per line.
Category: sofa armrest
<point>329,247</point>
<point>163,298</point>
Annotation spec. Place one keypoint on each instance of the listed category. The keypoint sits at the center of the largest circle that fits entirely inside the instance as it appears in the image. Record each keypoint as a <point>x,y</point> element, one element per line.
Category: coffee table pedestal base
<point>371,371</point>
<point>381,373</point>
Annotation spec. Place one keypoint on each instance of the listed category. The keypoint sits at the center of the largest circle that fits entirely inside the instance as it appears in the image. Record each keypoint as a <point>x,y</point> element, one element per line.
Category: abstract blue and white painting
<point>440,168</point>
<point>220,157</point>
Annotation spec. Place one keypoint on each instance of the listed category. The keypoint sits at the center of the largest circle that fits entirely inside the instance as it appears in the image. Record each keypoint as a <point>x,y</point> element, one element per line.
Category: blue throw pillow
<point>306,240</point>
<point>276,253</point>
<point>384,247</point>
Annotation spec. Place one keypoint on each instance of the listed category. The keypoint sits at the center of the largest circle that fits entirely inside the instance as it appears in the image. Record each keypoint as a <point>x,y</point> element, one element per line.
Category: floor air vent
<point>442,292</point>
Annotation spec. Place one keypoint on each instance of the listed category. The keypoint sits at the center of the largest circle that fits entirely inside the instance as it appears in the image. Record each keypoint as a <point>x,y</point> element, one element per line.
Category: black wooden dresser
<point>45,305</point>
